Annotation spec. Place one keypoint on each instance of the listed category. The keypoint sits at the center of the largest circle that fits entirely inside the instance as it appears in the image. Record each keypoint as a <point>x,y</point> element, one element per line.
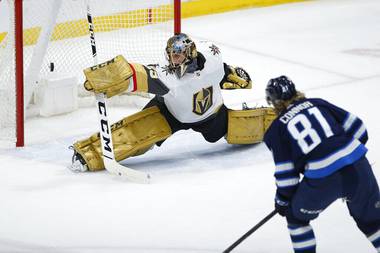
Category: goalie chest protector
<point>195,96</point>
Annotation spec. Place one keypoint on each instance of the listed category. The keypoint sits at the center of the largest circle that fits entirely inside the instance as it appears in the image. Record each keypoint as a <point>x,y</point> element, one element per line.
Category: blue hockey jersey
<point>315,138</point>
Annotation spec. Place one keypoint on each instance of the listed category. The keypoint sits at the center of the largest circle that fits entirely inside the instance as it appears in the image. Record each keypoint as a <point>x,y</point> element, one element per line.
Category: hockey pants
<point>356,184</point>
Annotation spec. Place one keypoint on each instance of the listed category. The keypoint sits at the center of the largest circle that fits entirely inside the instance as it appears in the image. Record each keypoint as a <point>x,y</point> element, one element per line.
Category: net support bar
<point>19,74</point>
<point>177,16</point>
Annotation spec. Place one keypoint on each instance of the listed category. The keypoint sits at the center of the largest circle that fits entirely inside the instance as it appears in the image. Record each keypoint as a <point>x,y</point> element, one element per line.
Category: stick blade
<point>130,174</point>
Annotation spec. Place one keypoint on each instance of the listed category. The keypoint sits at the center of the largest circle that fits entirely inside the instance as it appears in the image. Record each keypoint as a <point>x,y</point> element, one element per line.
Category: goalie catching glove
<point>237,78</point>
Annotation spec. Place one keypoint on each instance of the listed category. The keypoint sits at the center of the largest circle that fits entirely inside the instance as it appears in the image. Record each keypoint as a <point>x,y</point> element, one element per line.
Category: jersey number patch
<point>306,136</point>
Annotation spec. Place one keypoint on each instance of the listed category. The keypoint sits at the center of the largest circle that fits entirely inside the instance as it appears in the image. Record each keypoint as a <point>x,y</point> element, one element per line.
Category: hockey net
<point>56,44</point>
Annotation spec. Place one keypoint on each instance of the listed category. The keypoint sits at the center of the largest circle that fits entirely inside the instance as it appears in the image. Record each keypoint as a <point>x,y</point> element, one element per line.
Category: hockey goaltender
<point>188,95</point>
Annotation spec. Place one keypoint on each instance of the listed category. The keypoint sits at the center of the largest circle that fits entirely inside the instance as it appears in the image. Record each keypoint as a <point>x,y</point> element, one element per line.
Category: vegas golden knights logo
<point>202,101</point>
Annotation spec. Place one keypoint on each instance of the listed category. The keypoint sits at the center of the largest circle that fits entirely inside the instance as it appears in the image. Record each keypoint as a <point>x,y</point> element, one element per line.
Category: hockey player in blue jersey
<point>326,144</point>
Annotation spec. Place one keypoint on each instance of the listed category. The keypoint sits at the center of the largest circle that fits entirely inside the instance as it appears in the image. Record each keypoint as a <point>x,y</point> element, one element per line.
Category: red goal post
<point>50,37</point>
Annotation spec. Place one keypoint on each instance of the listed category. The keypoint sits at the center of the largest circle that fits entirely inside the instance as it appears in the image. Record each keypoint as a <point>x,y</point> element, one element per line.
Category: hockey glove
<point>281,205</point>
<point>237,78</point>
<point>111,77</point>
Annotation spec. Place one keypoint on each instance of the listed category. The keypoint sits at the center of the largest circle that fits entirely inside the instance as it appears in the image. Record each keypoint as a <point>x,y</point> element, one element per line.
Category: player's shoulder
<point>208,49</point>
<point>321,103</point>
<point>317,101</point>
<point>212,57</point>
<point>304,104</point>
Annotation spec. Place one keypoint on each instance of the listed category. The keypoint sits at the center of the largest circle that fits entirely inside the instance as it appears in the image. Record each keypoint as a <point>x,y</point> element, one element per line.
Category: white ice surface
<point>203,196</point>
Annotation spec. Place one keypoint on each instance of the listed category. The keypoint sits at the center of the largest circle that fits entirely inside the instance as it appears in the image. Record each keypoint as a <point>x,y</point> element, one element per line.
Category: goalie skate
<point>78,164</point>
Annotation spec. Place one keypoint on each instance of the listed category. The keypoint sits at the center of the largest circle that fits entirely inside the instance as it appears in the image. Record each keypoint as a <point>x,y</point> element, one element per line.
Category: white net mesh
<point>137,29</point>
<point>7,85</point>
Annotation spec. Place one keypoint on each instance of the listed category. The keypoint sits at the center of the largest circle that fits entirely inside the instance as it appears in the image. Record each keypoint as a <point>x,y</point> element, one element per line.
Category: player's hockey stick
<point>110,163</point>
<point>262,222</point>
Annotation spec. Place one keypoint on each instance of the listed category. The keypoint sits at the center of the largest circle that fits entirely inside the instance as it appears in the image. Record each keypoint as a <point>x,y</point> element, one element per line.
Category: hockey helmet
<point>180,52</point>
<point>280,89</point>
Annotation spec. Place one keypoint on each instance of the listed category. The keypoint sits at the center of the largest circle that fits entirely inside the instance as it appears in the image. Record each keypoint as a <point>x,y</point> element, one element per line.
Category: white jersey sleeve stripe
<point>349,121</point>
<point>284,167</point>
<point>287,182</point>
<point>375,236</point>
<point>359,133</point>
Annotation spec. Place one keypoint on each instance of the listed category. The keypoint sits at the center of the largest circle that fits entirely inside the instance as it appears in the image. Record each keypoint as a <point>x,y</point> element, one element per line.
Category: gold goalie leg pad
<point>131,136</point>
<point>248,126</point>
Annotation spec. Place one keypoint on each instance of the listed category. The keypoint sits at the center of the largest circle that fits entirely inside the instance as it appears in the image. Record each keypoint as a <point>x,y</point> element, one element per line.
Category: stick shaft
<point>92,34</point>
<point>257,226</point>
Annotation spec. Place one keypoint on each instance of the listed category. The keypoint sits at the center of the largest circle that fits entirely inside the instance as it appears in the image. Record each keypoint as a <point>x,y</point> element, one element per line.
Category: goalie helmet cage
<point>51,37</point>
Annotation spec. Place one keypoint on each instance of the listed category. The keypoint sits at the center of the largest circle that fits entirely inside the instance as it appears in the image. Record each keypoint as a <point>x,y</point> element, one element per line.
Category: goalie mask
<point>180,52</point>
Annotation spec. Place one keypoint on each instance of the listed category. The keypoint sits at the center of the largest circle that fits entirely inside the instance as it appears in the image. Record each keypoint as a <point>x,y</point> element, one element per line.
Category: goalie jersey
<point>196,96</point>
<point>315,138</point>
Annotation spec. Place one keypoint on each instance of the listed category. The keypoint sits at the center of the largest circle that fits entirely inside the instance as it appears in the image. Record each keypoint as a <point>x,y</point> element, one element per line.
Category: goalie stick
<point>111,165</point>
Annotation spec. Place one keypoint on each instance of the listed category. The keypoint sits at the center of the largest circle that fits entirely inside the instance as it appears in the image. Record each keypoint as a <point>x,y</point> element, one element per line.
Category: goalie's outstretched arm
<point>145,79</point>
